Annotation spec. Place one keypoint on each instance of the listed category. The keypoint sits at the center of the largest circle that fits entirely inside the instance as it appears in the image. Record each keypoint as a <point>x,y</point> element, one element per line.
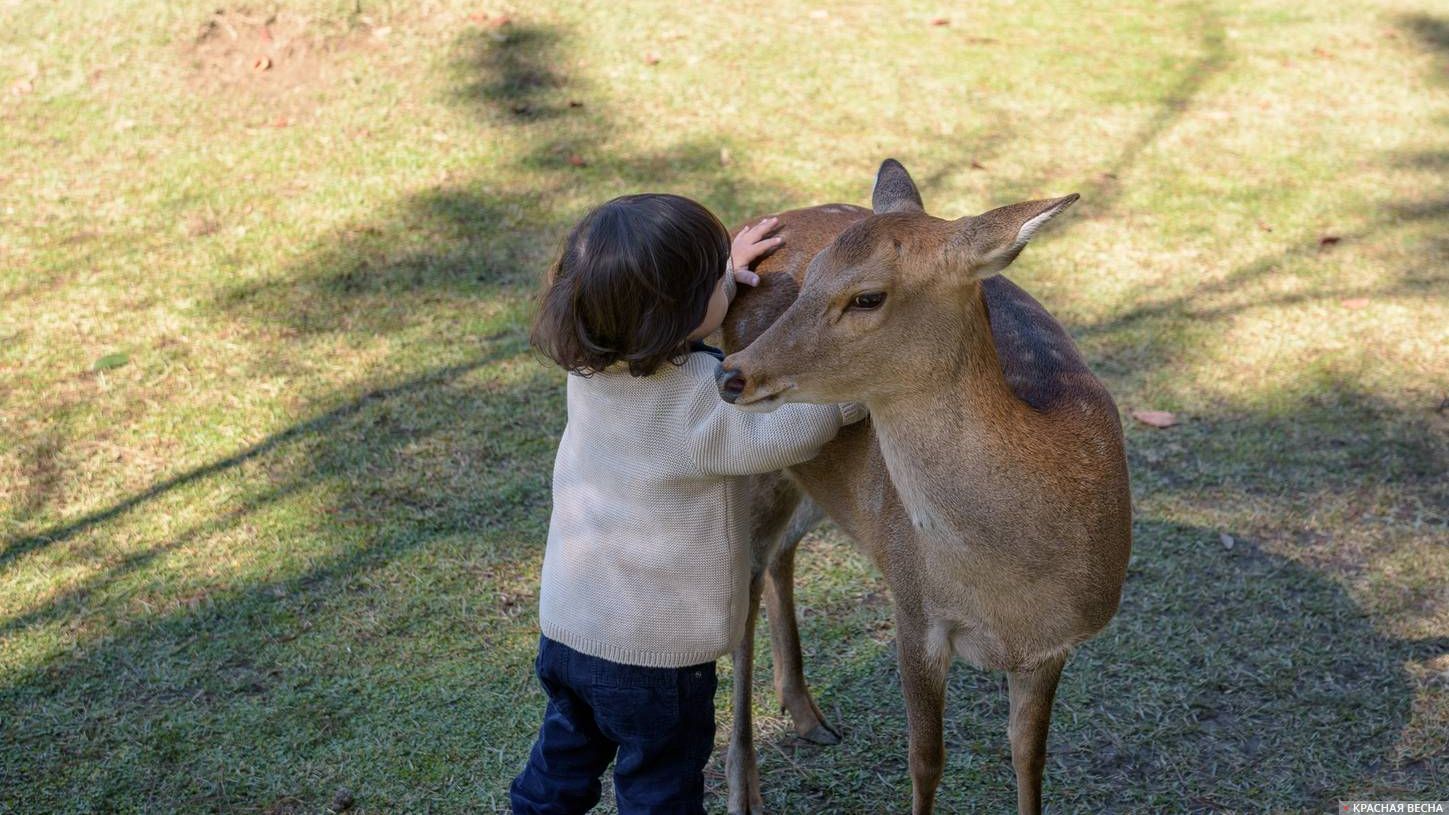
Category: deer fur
<point>989,485</point>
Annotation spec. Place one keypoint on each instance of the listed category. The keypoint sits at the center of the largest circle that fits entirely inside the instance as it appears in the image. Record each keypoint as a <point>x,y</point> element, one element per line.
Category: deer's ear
<point>894,190</point>
<point>992,240</point>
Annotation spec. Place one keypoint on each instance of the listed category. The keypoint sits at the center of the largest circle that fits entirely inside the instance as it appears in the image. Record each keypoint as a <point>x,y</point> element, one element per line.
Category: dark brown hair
<point>633,280</point>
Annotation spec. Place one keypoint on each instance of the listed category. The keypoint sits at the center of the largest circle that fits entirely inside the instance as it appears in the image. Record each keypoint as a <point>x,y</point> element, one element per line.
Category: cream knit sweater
<point>648,556</point>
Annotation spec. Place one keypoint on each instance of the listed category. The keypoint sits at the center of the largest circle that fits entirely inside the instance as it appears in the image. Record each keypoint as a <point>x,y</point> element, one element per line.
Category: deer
<point>989,484</point>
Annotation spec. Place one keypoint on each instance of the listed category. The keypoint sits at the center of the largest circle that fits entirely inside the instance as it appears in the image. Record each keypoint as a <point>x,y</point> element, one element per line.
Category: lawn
<point>275,455</point>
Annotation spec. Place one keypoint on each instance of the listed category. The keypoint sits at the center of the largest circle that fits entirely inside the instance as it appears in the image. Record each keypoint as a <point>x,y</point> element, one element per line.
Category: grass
<point>290,543</point>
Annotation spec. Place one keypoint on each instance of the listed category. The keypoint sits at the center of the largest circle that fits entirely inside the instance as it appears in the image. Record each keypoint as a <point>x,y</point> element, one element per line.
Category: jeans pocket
<point>637,713</point>
<point>551,668</point>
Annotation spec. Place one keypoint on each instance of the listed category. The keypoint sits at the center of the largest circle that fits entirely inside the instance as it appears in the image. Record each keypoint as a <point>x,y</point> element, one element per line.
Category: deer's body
<point>989,485</point>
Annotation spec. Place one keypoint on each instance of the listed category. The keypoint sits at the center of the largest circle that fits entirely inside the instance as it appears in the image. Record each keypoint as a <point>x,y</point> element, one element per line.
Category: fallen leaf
<point>262,63</point>
<point>1155,418</point>
<point>939,21</point>
<point>577,160</point>
<point>1226,540</point>
<point>1354,303</point>
<point>1328,240</point>
<point>198,226</point>
<point>651,59</point>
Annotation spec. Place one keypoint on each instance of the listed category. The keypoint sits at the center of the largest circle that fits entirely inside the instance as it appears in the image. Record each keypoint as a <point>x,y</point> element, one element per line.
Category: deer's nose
<point>731,384</point>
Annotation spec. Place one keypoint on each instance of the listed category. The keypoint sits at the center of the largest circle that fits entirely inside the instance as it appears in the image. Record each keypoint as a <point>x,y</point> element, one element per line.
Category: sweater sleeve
<point>725,440</point>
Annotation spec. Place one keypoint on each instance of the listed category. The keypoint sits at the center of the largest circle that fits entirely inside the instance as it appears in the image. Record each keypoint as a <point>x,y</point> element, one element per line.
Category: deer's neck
<point>947,441</point>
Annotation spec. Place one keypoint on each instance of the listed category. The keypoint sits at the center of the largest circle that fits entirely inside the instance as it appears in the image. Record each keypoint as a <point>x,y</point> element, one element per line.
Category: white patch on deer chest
<point>922,511</point>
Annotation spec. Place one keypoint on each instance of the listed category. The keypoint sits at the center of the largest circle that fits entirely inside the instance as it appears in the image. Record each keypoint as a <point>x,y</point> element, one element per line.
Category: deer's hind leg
<point>776,507</point>
<point>790,685</point>
<point>741,767</point>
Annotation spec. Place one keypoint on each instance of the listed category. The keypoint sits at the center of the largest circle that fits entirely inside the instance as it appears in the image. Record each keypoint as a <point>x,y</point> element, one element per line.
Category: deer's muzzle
<point>731,384</point>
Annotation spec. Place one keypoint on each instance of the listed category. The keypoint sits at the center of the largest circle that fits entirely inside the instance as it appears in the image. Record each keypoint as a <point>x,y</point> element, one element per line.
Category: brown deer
<point>989,485</point>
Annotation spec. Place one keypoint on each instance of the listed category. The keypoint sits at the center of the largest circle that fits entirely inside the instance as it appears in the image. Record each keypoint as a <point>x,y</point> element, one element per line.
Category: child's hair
<point>633,280</point>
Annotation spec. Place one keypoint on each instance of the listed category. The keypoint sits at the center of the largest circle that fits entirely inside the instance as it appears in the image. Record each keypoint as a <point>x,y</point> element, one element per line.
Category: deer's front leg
<point>740,766</point>
<point>923,681</point>
<point>1032,693</point>
<point>785,643</point>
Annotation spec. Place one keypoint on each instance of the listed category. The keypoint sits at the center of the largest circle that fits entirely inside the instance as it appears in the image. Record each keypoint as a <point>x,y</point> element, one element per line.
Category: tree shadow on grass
<point>233,696</point>
<point>515,73</point>
<point>487,239</point>
<point>1232,680</point>
<point>1128,347</point>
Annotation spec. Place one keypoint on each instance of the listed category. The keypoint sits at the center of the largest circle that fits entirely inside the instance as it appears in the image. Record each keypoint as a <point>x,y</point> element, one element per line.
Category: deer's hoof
<point>822,734</point>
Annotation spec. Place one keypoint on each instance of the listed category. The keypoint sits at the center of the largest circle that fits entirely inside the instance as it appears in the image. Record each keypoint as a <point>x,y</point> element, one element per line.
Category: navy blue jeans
<point>655,724</point>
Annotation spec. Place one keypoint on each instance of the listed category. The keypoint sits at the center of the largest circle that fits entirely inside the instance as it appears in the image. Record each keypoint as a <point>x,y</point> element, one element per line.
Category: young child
<point>646,572</point>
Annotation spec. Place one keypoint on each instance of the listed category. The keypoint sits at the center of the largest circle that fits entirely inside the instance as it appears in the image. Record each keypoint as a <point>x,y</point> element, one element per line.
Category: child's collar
<point>701,345</point>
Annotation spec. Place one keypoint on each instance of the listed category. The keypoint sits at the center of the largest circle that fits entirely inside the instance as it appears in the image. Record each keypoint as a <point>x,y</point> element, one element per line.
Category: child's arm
<point>724,440</point>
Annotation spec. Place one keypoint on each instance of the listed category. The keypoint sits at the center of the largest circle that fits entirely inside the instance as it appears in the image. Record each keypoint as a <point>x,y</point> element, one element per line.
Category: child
<point>646,572</point>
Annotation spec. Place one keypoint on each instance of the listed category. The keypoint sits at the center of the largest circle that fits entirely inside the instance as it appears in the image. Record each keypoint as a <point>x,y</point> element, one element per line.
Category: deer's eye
<point>866,301</point>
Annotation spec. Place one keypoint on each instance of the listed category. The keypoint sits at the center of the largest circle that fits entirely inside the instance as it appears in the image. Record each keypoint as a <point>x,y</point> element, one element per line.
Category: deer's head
<point>887,300</point>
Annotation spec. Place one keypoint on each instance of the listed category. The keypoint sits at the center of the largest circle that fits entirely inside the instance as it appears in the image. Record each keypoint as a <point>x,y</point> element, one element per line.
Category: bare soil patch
<point>270,56</point>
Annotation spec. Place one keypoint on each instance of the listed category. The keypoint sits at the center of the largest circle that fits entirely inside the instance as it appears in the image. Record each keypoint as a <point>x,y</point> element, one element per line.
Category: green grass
<point>290,543</point>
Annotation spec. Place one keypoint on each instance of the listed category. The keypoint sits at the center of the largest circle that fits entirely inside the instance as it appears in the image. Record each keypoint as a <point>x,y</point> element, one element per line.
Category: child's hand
<point>749,246</point>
